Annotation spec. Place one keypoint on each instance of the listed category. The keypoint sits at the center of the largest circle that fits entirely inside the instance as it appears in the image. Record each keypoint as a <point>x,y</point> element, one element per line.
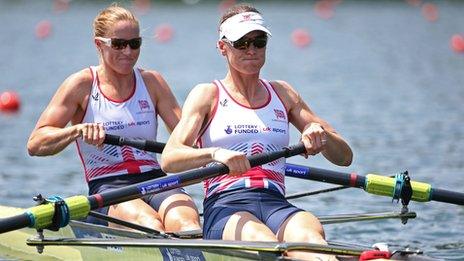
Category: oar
<point>147,145</point>
<point>375,184</point>
<point>78,207</point>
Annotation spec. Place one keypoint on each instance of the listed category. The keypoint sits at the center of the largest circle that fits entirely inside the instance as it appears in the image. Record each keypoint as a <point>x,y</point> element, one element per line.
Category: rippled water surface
<point>378,71</point>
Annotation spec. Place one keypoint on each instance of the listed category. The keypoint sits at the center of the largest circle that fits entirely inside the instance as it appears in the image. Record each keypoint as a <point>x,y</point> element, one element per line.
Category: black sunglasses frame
<point>121,44</point>
<point>244,43</point>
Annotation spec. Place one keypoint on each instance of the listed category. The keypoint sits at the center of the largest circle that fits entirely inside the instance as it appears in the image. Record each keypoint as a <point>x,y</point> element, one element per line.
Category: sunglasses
<point>121,44</point>
<point>244,43</point>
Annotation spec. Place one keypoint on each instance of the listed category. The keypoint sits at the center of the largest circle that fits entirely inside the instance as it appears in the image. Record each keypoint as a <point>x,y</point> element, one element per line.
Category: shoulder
<point>202,97</point>
<point>78,83</point>
<point>204,91</point>
<point>285,91</point>
<point>151,77</point>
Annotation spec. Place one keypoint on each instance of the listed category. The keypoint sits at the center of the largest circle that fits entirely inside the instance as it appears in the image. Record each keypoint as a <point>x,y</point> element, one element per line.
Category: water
<point>381,74</point>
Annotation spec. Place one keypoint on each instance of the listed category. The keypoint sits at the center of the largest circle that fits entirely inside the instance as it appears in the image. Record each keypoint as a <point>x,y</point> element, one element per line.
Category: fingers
<point>92,133</point>
<point>235,161</point>
<point>314,138</point>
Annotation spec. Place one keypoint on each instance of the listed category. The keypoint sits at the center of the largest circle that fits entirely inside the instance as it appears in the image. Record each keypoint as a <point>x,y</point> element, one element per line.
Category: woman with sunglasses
<point>242,115</point>
<point>116,98</point>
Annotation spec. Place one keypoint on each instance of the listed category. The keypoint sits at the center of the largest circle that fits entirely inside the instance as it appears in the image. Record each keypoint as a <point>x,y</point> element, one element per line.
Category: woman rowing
<point>242,115</point>
<point>116,98</point>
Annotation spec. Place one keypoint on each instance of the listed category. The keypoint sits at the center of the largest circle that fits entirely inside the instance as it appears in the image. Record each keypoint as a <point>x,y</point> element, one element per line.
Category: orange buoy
<point>60,6</point>
<point>225,4</point>
<point>9,102</point>
<point>164,33</point>
<point>325,9</point>
<point>142,6</point>
<point>457,43</point>
<point>414,2</point>
<point>43,29</point>
<point>301,38</point>
<point>430,12</point>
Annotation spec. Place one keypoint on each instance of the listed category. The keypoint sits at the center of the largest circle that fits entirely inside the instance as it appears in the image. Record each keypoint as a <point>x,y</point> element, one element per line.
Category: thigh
<point>246,227</point>
<point>138,212</point>
<point>178,212</point>
<point>302,226</point>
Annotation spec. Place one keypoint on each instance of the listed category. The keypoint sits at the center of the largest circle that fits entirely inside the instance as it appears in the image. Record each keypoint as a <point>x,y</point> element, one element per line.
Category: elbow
<point>348,159</point>
<point>166,163</point>
<point>32,149</point>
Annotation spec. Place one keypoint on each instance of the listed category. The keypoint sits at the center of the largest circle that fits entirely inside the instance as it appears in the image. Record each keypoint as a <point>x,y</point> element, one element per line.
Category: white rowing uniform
<point>134,117</point>
<point>249,130</point>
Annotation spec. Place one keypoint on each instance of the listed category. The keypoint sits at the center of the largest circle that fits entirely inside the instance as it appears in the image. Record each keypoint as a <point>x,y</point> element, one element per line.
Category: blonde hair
<point>110,16</point>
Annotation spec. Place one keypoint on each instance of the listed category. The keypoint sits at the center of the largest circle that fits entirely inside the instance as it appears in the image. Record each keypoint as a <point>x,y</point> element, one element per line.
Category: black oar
<point>147,145</point>
<point>376,184</point>
<point>78,207</point>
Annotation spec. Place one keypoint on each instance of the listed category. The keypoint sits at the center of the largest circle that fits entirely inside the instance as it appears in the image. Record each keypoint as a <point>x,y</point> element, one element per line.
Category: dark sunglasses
<point>243,43</point>
<point>120,44</point>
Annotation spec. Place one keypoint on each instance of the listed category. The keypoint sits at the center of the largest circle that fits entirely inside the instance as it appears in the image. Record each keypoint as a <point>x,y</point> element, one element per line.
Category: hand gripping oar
<point>78,207</point>
<point>376,184</point>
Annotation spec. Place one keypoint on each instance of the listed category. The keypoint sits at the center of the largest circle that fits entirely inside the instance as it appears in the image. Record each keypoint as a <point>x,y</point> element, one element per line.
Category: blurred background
<point>388,75</point>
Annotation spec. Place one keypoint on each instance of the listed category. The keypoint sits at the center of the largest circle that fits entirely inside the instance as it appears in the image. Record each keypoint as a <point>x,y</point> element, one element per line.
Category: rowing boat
<point>85,241</point>
<point>76,240</point>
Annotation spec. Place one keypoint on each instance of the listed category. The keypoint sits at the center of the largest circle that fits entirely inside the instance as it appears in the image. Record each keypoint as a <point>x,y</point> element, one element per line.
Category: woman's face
<point>248,59</point>
<point>120,56</point>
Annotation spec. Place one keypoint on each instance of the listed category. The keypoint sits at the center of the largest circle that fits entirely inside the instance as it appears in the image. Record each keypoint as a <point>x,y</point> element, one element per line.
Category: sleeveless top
<point>237,127</point>
<point>134,117</point>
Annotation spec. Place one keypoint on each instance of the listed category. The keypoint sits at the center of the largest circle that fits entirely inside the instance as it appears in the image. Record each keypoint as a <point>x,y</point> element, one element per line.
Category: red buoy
<point>301,38</point>
<point>457,43</point>
<point>430,12</point>
<point>164,33</point>
<point>43,29</point>
<point>9,102</point>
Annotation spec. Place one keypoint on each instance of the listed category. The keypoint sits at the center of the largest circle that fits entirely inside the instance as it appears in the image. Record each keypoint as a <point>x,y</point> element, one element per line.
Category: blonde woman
<point>115,97</point>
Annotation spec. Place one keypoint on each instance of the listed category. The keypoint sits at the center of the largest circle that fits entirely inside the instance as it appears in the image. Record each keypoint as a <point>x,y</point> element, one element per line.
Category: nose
<point>126,50</point>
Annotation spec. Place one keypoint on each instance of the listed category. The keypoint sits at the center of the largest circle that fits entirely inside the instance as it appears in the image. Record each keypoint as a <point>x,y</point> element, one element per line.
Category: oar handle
<point>147,145</point>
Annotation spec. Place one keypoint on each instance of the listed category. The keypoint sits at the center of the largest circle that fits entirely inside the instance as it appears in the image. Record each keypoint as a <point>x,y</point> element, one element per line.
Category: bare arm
<point>50,134</point>
<point>178,155</point>
<point>166,103</point>
<point>317,134</point>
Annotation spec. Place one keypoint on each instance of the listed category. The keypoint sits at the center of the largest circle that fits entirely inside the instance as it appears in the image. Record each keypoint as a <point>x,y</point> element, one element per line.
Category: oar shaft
<point>374,184</point>
<point>147,145</point>
<point>447,196</point>
<point>79,206</point>
<point>323,175</point>
<point>183,179</point>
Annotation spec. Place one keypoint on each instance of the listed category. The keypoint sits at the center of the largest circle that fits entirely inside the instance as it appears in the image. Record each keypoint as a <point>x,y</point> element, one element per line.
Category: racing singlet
<point>237,127</point>
<point>134,117</point>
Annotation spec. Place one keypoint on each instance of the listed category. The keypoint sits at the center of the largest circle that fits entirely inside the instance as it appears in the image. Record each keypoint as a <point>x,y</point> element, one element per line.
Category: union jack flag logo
<point>246,17</point>
<point>279,114</point>
<point>144,104</point>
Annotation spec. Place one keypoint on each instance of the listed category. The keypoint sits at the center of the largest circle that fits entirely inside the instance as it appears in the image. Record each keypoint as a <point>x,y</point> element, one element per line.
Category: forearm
<point>337,150</point>
<point>182,158</point>
<point>48,140</point>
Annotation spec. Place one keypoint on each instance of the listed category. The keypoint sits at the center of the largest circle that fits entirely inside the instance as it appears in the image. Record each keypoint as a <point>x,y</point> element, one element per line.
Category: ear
<point>221,47</point>
<point>97,44</point>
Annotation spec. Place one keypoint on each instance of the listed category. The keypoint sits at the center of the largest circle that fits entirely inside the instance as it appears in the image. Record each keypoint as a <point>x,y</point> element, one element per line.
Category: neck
<point>115,80</point>
<point>115,85</point>
<point>247,86</point>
